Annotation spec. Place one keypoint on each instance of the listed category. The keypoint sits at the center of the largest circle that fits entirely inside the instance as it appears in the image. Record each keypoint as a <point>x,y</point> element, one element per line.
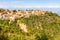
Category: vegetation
<point>41,27</point>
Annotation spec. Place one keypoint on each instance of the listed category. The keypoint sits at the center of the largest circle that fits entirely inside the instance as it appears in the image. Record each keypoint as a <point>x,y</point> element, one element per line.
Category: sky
<point>9,4</point>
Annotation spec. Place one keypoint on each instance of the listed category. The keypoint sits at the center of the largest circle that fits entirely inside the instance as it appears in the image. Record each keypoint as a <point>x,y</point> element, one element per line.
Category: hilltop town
<point>12,14</point>
<point>29,25</point>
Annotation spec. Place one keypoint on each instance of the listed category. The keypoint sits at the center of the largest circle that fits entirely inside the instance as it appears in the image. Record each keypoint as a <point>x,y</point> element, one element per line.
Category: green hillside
<point>41,27</point>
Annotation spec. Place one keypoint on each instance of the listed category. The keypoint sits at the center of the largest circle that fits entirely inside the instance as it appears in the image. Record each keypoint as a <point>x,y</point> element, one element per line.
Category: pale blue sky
<point>29,4</point>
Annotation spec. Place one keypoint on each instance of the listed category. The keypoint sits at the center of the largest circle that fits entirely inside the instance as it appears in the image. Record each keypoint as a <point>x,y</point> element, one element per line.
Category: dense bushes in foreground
<point>41,27</point>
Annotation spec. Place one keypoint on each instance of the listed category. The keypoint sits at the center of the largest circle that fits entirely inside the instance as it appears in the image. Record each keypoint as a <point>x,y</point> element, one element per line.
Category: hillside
<point>41,26</point>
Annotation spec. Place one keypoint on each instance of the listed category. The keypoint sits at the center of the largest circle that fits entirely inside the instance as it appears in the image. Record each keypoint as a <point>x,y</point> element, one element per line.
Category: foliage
<point>41,27</point>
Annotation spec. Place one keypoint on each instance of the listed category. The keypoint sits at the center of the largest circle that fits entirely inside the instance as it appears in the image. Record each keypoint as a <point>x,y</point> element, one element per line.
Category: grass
<point>41,27</point>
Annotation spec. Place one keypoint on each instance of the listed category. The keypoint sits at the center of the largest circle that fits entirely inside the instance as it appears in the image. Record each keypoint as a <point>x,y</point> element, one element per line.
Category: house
<point>0,15</point>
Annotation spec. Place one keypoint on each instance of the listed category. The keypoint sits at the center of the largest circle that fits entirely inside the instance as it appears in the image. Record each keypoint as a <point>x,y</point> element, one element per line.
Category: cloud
<point>27,6</point>
<point>36,6</point>
<point>22,4</point>
<point>53,6</point>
